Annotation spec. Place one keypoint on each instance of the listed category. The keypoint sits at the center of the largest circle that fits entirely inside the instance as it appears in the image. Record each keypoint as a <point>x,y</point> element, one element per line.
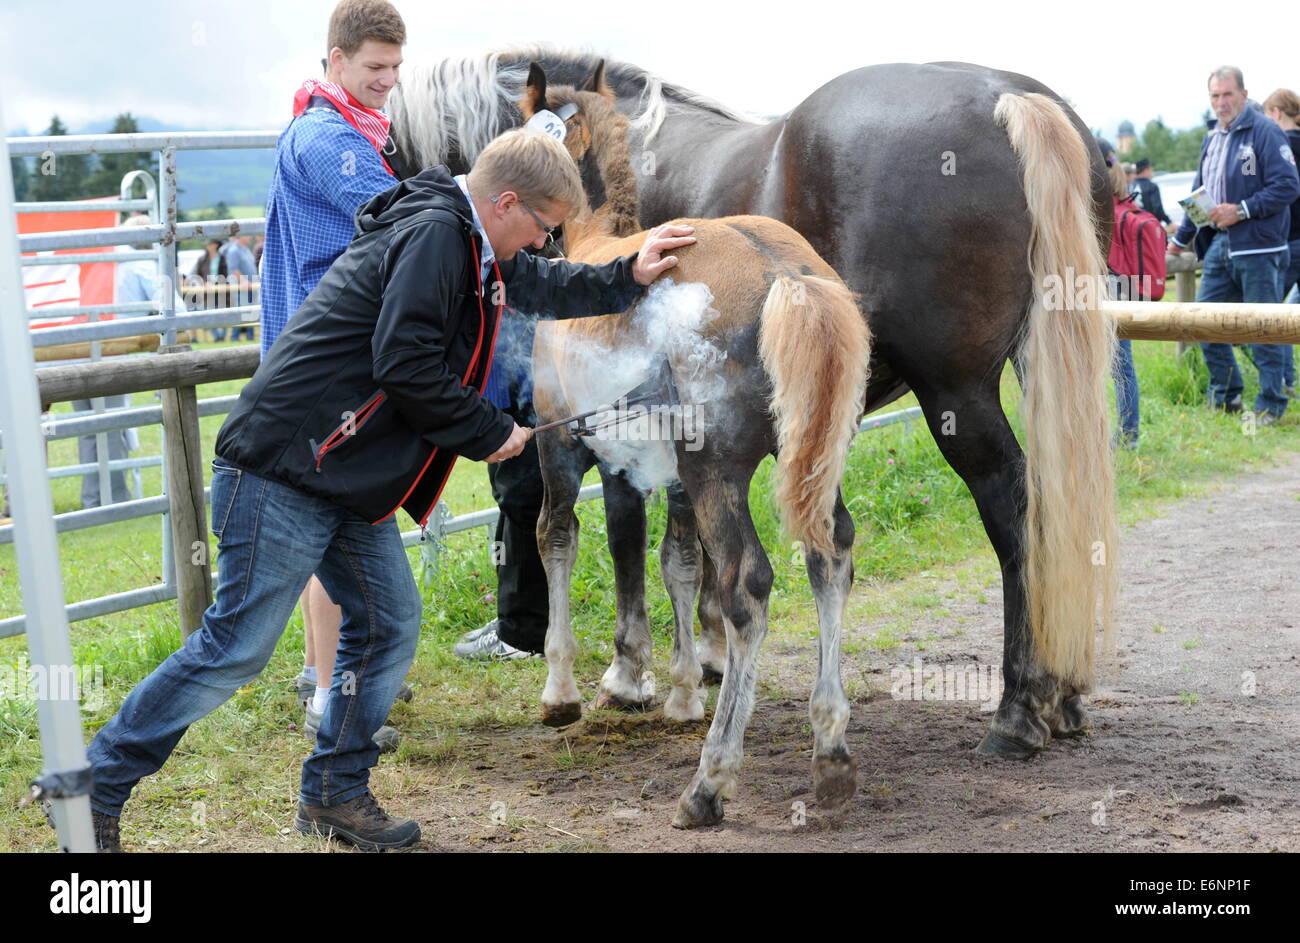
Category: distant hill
<point>236,177</point>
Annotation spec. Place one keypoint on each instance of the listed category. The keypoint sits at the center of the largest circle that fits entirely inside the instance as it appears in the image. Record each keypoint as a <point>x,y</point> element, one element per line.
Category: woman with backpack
<point>1137,267</point>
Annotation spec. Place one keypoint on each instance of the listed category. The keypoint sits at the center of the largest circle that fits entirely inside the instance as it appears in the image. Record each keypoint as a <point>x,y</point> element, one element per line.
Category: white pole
<point>65,776</point>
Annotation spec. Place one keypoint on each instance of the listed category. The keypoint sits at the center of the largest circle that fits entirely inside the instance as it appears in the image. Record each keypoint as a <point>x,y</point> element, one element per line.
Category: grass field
<point>914,516</point>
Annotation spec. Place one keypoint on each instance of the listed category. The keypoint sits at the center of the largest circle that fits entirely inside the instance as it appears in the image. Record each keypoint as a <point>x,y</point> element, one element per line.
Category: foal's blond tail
<point>1070,569</point>
<point>814,343</point>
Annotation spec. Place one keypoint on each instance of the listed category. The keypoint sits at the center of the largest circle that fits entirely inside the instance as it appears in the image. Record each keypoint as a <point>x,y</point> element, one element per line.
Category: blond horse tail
<point>1070,571</point>
<point>814,343</point>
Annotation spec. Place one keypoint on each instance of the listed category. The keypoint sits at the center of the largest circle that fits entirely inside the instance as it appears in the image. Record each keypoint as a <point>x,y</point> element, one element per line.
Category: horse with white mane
<point>949,197</point>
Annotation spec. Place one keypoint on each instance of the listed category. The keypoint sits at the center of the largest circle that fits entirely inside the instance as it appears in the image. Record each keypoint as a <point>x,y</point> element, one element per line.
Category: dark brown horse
<point>957,202</point>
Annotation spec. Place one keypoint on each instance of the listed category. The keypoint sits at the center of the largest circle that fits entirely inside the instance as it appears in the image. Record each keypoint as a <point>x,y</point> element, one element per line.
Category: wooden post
<point>185,500</point>
<point>1184,282</point>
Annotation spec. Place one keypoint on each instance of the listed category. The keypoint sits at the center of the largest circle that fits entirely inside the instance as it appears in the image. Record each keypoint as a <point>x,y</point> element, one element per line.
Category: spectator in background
<point>241,272</point>
<point>258,245</point>
<point>1283,107</point>
<point>208,273</point>
<point>1147,194</point>
<point>1130,174</point>
<point>1126,384</point>
<point>1249,174</point>
<point>134,281</point>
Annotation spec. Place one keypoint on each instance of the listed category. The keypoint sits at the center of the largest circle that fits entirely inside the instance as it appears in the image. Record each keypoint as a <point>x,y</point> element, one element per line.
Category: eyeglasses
<point>551,245</point>
<point>549,230</point>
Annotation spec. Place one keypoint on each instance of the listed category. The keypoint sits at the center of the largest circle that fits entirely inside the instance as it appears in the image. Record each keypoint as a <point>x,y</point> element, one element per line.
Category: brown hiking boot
<point>360,822</point>
<point>108,838</point>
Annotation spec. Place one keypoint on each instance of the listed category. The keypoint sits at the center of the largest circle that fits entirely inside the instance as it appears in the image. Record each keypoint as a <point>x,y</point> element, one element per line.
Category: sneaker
<point>479,632</point>
<point>488,646</point>
<point>1266,418</point>
<point>386,738</point>
<point>360,822</point>
<point>306,689</point>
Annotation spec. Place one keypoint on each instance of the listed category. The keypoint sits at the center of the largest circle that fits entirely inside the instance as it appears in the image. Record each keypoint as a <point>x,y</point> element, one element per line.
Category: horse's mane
<point>452,108</point>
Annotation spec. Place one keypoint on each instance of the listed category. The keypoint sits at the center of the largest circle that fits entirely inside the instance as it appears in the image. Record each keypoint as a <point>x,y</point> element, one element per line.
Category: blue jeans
<point>1247,278</point>
<point>1126,390</point>
<point>1291,295</point>
<point>272,538</point>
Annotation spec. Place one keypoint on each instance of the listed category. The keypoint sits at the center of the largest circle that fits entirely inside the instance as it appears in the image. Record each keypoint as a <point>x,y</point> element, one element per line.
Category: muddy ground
<point>1193,746</point>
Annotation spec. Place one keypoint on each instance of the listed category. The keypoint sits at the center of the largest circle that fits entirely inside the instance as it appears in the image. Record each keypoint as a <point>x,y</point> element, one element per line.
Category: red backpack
<point>1137,253</point>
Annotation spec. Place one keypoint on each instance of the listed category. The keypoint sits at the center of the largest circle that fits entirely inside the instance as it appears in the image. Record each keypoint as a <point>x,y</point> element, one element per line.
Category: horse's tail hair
<point>1064,358</point>
<point>814,343</point>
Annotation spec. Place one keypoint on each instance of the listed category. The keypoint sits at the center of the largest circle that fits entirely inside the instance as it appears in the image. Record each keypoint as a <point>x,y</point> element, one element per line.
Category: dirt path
<point>1194,743</point>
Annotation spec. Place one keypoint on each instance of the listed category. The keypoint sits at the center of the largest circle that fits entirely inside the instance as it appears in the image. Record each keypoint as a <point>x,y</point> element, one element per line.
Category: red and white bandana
<point>371,123</point>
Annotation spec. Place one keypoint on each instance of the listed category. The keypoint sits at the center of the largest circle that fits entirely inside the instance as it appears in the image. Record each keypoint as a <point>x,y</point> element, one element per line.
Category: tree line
<point>1167,149</point>
<point>78,176</point>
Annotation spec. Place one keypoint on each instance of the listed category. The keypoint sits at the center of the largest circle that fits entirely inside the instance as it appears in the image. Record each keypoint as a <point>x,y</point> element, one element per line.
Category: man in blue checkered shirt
<point>333,157</point>
<point>324,170</point>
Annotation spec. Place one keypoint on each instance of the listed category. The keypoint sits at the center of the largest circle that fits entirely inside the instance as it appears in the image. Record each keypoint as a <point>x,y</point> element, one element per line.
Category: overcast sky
<point>236,63</point>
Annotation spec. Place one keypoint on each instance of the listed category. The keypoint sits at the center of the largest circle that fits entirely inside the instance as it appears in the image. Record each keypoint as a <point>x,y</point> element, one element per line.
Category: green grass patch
<point>915,521</point>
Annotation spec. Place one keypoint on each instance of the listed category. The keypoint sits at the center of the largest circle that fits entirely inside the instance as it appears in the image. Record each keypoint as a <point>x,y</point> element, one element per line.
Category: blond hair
<point>1285,101</point>
<point>535,166</point>
<point>1118,177</point>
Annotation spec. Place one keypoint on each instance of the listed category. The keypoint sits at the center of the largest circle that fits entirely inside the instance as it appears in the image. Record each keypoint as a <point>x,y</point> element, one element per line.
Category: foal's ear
<point>596,83</point>
<point>534,99</point>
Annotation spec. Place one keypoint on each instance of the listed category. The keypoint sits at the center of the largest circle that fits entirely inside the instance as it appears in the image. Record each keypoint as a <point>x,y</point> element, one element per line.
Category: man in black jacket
<point>1148,194</point>
<point>361,407</point>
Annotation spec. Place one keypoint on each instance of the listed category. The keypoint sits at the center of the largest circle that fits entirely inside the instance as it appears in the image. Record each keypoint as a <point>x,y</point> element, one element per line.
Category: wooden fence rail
<point>176,371</point>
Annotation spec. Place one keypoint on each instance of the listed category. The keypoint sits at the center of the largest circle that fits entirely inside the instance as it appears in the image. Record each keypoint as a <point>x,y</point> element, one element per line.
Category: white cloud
<point>235,63</point>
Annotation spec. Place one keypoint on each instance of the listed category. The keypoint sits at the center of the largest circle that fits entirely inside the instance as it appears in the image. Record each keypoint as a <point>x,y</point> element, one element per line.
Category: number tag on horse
<point>548,122</point>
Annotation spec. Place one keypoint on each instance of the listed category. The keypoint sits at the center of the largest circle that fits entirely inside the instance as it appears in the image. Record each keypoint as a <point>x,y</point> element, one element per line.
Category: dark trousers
<point>88,453</point>
<point>523,605</point>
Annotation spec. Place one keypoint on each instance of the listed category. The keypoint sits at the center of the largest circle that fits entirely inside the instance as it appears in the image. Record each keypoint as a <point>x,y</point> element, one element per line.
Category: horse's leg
<point>628,681</point>
<point>563,465</point>
<point>679,561</point>
<point>834,771</point>
<point>744,583</point>
<point>712,646</point>
<point>976,439</point>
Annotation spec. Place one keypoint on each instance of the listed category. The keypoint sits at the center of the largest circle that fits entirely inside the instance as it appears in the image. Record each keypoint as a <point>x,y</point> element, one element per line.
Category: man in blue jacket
<point>360,408</point>
<point>1250,176</point>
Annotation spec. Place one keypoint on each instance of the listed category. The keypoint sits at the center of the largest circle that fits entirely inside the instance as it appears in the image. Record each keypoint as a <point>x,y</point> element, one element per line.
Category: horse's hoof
<point>683,709</point>
<point>561,715</point>
<point>697,809</point>
<point>1070,720</point>
<point>711,675</point>
<point>606,700</point>
<point>995,744</point>
<point>835,779</point>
